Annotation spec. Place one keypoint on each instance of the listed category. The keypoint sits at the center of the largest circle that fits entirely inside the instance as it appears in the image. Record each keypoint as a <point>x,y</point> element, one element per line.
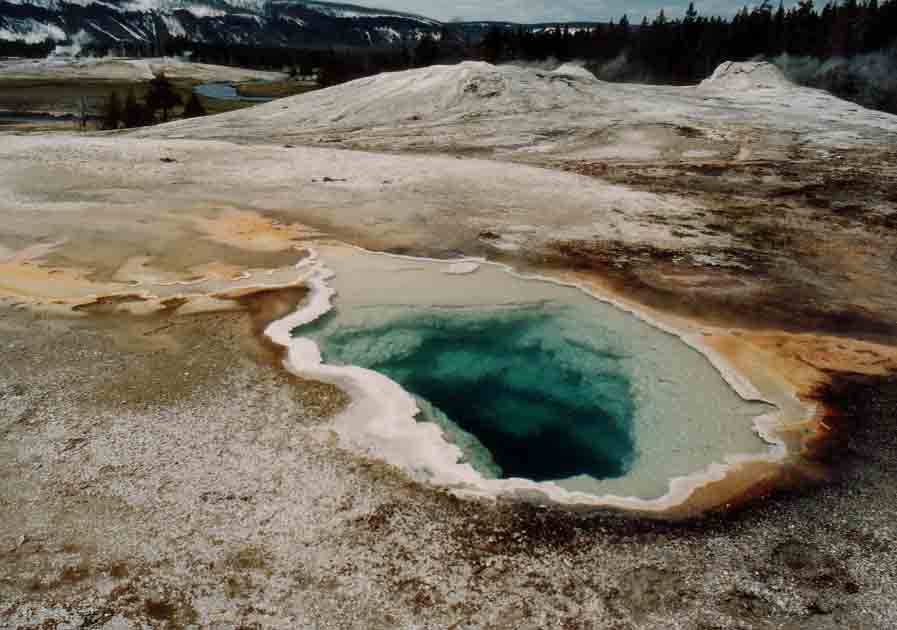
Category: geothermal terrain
<point>166,461</point>
<point>52,94</point>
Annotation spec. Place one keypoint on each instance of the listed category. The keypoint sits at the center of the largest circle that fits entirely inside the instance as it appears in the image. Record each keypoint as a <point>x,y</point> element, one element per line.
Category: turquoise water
<point>528,378</point>
<point>228,92</point>
<point>532,391</point>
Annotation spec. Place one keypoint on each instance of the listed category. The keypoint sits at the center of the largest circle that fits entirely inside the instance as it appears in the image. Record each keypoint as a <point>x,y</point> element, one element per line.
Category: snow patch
<point>297,21</point>
<point>130,31</point>
<point>353,12</point>
<point>201,11</point>
<point>388,33</point>
<point>78,41</point>
<point>173,25</point>
<point>248,16</point>
<point>100,29</point>
<point>30,31</point>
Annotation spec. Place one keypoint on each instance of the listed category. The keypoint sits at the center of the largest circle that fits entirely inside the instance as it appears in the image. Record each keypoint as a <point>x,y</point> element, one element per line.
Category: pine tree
<point>112,113</point>
<point>779,37</point>
<point>132,116</point>
<point>493,44</point>
<point>162,96</point>
<point>194,108</point>
<point>427,51</point>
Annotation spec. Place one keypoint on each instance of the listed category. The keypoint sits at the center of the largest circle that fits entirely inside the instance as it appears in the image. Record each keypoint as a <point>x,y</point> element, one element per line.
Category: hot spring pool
<point>499,383</point>
<point>525,381</point>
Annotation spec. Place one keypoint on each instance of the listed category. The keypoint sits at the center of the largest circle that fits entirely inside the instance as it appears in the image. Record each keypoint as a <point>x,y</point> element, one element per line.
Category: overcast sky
<point>551,10</point>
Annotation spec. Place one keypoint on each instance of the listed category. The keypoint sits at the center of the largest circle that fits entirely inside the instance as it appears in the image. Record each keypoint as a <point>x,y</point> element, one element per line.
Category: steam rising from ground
<point>869,79</point>
<point>75,47</point>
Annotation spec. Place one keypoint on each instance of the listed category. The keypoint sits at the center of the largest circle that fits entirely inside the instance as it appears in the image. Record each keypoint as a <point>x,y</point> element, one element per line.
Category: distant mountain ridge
<point>146,25</point>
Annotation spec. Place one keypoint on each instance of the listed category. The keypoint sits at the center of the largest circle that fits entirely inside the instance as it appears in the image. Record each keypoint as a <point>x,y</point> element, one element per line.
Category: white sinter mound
<point>746,75</point>
<point>541,114</point>
<point>439,92</point>
<point>575,71</point>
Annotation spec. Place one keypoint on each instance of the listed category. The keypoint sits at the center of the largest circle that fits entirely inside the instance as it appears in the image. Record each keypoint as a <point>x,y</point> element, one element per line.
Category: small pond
<point>228,92</point>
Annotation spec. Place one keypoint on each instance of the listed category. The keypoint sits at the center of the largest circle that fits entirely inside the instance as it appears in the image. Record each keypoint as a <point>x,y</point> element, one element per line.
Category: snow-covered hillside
<point>256,22</point>
<point>540,114</point>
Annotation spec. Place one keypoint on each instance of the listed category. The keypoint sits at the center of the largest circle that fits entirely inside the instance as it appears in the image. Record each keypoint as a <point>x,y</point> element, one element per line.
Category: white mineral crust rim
<point>380,419</point>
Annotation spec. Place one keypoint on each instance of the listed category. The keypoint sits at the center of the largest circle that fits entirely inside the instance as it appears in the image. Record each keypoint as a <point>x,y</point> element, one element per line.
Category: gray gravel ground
<point>177,480</point>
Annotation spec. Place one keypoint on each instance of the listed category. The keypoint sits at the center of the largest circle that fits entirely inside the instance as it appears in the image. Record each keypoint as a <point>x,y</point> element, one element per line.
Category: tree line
<point>687,49</point>
<point>666,49</point>
<point>671,50</point>
<point>160,97</point>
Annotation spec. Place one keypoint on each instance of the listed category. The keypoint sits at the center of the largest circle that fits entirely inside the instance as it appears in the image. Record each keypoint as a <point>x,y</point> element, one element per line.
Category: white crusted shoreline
<point>381,417</point>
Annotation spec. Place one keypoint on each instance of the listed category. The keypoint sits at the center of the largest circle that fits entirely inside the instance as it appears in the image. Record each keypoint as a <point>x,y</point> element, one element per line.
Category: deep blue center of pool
<point>548,399</point>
